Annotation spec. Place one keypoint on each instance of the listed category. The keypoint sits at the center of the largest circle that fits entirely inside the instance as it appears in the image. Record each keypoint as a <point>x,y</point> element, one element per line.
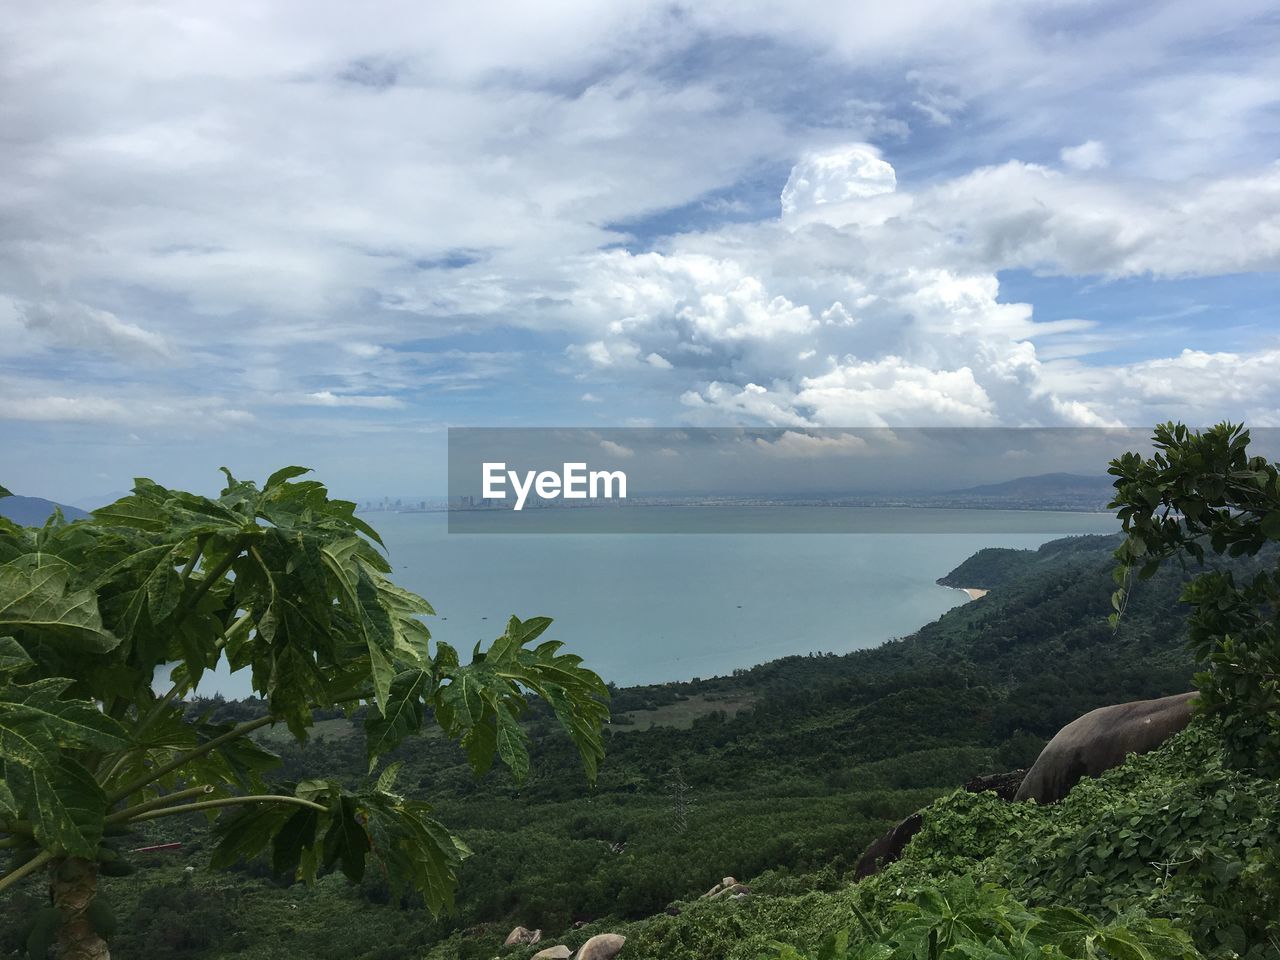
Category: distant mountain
<point>1045,483</point>
<point>1047,491</point>
<point>34,511</point>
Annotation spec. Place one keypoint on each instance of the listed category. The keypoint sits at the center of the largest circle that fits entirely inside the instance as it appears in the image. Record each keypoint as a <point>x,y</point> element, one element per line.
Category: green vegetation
<point>961,920</point>
<point>288,584</point>
<point>987,569</point>
<point>1174,836</point>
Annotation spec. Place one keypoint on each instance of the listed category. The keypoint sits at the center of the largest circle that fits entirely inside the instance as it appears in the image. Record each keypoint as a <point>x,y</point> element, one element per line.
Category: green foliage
<point>288,584</point>
<point>1179,832</point>
<point>1173,851</point>
<point>960,921</point>
<point>1198,488</point>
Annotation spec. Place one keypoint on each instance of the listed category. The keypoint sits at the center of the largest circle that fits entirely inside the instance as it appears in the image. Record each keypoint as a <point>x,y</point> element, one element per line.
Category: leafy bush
<point>961,921</point>
<point>1204,487</point>
<point>1185,836</point>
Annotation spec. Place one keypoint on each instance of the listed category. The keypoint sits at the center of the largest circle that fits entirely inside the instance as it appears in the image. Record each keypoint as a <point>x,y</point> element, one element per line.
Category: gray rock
<point>1100,740</point>
<point>603,946</point>
<point>888,848</point>
<point>1003,785</point>
<point>522,935</point>
<point>558,952</point>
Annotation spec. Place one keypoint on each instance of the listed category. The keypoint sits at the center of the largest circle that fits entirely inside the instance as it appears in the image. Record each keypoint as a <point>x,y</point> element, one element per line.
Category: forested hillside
<point>780,774</point>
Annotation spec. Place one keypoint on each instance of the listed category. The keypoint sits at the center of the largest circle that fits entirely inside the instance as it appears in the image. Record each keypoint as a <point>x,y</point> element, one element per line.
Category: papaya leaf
<point>34,597</point>
<point>296,836</point>
<point>346,841</point>
<point>34,721</point>
<point>13,659</point>
<point>283,474</point>
<point>402,716</point>
<point>244,834</point>
<point>416,849</point>
<point>66,805</point>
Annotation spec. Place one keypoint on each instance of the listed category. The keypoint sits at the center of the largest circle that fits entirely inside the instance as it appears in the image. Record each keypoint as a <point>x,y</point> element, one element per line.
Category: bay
<point>648,608</point>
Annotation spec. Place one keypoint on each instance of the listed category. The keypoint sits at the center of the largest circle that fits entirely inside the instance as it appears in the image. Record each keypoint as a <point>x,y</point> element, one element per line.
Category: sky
<point>322,233</point>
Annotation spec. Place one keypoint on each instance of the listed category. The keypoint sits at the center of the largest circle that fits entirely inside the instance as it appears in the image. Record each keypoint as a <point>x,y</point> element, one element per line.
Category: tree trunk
<point>74,885</point>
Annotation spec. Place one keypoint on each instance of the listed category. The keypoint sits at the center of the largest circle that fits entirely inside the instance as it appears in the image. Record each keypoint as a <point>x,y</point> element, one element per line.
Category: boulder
<point>558,952</point>
<point>736,890</point>
<point>1003,785</point>
<point>1100,740</point>
<point>727,885</point>
<point>522,935</point>
<point>888,848</point>
<point>1085,747</point>
<point>603,946</point>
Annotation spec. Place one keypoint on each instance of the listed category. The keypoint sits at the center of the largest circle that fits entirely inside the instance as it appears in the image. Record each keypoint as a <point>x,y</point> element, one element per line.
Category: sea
<point>643,608</point>
<point>647,608</point>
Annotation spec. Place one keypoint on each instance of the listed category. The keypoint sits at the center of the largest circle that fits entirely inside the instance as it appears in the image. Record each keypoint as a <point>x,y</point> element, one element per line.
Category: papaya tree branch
<point>183,758</point>
<point>227,802</point>
<point>128,813</point>
<point>31,866</point>
<point>174,692</point>
<point>195,556</point>
<point>212,577</point>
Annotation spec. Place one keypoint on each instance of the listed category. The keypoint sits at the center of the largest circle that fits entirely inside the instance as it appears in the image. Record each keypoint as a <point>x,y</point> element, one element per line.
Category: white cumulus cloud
<point>1089,155</point>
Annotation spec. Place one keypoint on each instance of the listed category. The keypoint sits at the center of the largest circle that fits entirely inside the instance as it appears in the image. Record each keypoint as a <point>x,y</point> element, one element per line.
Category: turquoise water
<point>644,608</point>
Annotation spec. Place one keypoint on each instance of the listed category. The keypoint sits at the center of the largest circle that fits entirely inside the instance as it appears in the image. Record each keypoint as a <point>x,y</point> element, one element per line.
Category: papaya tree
<point>290,586</point>
<point>1201,491</point>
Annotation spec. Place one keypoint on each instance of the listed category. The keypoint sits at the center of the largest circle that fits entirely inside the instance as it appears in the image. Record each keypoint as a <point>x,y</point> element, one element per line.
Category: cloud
<point>617,449</point>
<point>39,400</point>
<point>793,444</point>
<point>590,398</point>
<point>53,408</point>
<point>69,323</point>
<point>1195,386</point>
<point>856,321</point>
<point>377,221</point>
<point>1089,155</point>
<point>327,398</point>
<point>853,172</point>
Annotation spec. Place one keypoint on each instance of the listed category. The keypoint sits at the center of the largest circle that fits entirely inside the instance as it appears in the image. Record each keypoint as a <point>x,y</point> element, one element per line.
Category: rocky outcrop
<point>522,935</point>
<point>558,952</point>
<point>888,848</point>
<point>727,887</point>
<point>1100,740</point>
<point>603,946</point>
<point>1086,747</point>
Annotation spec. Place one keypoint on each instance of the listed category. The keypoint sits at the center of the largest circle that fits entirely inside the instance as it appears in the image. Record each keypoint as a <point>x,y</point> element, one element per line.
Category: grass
<point>682,714</point>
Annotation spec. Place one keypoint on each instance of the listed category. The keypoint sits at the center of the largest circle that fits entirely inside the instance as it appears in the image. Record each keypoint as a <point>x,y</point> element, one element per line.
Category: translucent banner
<point>788,480</point>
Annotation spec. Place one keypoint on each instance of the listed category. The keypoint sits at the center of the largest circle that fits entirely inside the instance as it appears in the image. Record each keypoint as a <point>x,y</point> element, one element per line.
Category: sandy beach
<point>974,592</point>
